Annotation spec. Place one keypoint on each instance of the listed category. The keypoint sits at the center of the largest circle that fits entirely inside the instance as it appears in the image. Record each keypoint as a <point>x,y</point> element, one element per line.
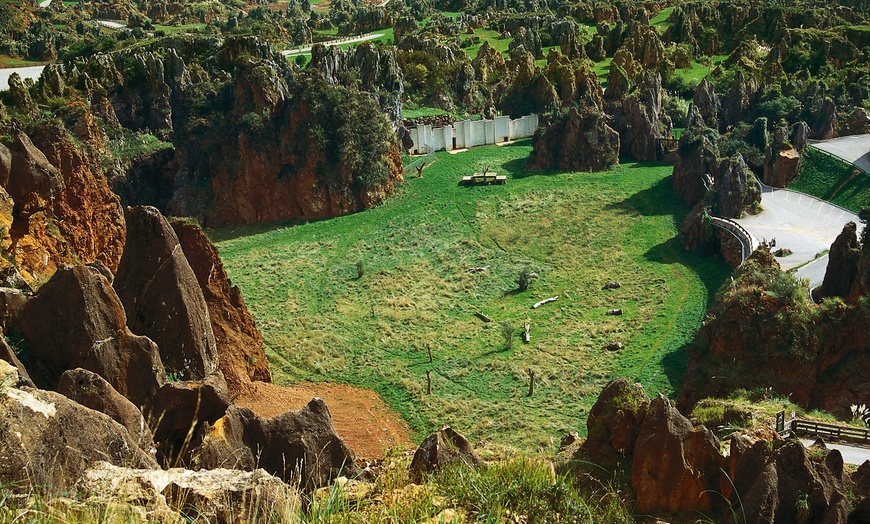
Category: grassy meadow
<point>829,178</point>
<point>322,322</point>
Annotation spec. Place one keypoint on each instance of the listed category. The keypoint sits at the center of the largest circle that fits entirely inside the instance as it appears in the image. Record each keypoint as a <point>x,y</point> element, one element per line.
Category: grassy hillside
<point>831,179</point>
<point>322,322</point>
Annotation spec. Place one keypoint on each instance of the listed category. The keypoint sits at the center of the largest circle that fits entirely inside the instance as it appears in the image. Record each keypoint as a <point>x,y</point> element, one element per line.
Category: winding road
<point>803,224</point>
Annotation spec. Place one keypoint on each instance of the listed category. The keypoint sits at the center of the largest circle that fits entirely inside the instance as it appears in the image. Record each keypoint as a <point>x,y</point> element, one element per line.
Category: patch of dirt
<point>361,417</point>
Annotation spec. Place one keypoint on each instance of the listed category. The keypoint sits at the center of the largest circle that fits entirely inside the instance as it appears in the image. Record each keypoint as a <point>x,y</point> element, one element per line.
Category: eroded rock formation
<point>162,296</point>
<point>576,142</point>
<point>239,344</point>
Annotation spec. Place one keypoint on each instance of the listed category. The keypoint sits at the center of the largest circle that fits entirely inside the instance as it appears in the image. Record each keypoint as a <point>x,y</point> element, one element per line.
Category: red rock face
<point>240,346</point>
<point>782,168</point>
<point>90,216</point>
<point>251,185</point>
<point>64,212</point>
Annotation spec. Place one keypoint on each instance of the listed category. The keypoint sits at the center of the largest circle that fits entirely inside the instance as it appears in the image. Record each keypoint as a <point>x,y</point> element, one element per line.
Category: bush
<point>524,280</point>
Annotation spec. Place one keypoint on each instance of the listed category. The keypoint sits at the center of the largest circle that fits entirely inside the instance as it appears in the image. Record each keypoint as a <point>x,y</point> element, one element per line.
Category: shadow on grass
<point>674,365</point>
<point>233,232</point>
<point>653,201</point>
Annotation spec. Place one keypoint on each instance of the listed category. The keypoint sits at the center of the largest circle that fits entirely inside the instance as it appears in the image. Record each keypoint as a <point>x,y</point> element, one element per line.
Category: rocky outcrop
<point>239,344</point>
<point>375,68</point>
<point>76,320</point>
<point>88,214</point>
<point>842,270</point>
<point>740,98</point>
<point>707,103</point>
<point>48,441</point>
<point>163,298</point>
<point>763,320</point>
<point>443,448</point>
<point>695,167</point>
<point>857,123</point>
<point>784,485</point>
<point>642,120</point>
<point>92,391</point>
<point>676,464</point>
<point>179,409</point>
<point>62,208</point>
<point>302,443</point>
<point>614,424</point>
<point>781,167</point>
<point>737,189</point>
<point>220,496</point>
<point>697,232</point>
<point>782,160</point>
<point>576,142</point>
<point>34,184</point>
<point>489,64</point>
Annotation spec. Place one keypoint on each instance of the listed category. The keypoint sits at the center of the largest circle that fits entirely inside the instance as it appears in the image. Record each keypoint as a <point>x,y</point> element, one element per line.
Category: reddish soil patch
<point>360,416</point>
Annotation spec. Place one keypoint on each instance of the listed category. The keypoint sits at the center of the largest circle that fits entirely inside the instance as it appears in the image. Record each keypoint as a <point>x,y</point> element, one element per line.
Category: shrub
<point>507,331</point>
<point>524,280</point>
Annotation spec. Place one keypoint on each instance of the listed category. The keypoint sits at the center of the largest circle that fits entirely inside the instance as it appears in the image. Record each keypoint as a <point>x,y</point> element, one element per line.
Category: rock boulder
<point>219,496</point>
<point>676,464</point>
<point>47,441</point>
<point>442,448</point>
<point>842,270</point>
<point>614,423</point>
<point>239,344</point>
<point>92,391</point>
<point>76,320</point>
<point>163,298</point>
<point>302,442</point>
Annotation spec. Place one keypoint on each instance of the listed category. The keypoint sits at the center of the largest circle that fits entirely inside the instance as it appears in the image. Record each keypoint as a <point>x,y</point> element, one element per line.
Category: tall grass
<point>575,230</point>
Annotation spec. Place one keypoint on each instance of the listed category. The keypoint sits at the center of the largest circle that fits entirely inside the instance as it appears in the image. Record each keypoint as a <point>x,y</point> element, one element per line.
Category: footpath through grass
<point>829,178</point>
<point>322,322</point>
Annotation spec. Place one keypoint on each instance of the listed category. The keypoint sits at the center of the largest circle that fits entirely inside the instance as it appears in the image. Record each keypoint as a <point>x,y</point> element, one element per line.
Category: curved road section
<point>803,224</point>
<point>854,149</point>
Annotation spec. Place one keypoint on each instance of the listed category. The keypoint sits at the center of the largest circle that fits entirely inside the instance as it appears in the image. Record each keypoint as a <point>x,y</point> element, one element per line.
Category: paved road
<point>854,149</point>
<point>111,24</point>
<point>851,454</point>
<point>31,72</point>
<point>307,48</point>
<point>803,224</point>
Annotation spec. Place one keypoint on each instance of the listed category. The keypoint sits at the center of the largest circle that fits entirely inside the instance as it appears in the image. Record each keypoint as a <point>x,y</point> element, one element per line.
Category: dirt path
<point>362,418</point>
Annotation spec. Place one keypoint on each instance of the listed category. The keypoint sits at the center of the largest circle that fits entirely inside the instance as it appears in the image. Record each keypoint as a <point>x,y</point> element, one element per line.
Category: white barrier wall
<point>471,133</point>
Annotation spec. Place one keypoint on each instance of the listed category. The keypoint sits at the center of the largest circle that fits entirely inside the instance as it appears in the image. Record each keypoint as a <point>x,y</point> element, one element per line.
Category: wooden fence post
<point>428,383</point>
<point>531,382</point>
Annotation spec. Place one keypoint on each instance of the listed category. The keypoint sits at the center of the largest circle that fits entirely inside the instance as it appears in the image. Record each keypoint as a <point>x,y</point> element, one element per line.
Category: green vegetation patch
<point>829,178</point>
<point>420,112</point>
<point>362,299</point>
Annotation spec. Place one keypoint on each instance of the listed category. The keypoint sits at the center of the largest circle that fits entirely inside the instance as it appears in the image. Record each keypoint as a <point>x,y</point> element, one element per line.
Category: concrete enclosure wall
<point>471,133</point>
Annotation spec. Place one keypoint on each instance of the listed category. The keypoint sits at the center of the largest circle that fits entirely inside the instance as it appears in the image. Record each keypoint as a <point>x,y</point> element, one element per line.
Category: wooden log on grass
<point>545,301</point>
<point>483,317</point>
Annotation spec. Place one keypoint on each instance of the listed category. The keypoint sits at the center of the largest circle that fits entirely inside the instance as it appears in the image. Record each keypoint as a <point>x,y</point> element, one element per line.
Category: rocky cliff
<point>763,320</point>
<point>241,136</point>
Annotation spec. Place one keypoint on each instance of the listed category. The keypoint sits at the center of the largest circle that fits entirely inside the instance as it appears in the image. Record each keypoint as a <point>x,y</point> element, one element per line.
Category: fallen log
<point>483,317</point>
<point>477,269</point>
<point>545,301</point>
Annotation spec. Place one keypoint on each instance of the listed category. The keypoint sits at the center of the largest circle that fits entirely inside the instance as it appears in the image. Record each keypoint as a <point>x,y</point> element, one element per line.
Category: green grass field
<point>831,179</point>
<point>321,322</point>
